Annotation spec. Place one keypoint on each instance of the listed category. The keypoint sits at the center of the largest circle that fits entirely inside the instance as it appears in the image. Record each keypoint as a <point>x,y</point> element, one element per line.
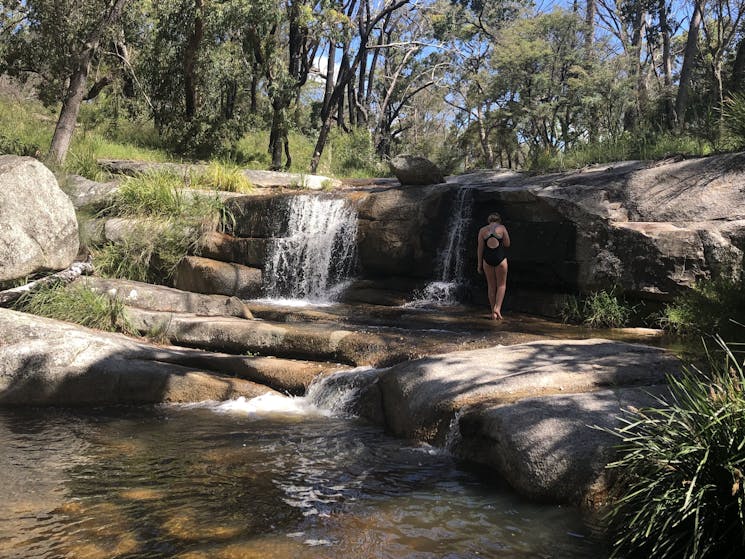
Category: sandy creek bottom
<point>250,480</point>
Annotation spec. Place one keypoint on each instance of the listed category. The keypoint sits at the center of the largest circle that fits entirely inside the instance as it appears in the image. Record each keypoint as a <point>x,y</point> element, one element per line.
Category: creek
<point>270,477</point>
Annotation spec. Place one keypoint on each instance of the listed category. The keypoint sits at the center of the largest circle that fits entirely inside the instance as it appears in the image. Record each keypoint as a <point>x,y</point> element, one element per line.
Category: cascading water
<point>317,254</point>
<point>451,264</point>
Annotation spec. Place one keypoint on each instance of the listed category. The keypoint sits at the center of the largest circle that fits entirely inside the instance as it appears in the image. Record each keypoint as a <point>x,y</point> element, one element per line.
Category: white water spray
<point>451,263</point>
<point>317,254</point>
<point>334,395</point>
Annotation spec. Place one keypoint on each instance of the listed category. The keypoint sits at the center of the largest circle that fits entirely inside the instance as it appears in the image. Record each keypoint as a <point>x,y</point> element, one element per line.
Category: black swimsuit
<point>494,256</point>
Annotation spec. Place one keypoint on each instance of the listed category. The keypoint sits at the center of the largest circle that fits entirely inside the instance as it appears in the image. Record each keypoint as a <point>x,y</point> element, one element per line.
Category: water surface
<point>233,481</point>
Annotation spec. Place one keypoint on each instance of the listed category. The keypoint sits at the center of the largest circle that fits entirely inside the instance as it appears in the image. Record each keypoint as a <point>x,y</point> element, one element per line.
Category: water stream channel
<point>270,478</point>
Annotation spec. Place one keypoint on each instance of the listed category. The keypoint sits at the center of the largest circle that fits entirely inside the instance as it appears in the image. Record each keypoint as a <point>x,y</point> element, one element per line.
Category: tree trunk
<point>686,69</point>
<point>329,88</point>
<point>486,146</point>
<point>190,61</point>
<point>667,63</point>
<point>76,89</point>
<point>70,109</point>
<point>590,27</point>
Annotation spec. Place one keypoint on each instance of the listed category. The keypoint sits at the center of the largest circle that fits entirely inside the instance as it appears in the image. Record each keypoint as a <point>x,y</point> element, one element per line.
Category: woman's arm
<point>505,237</point>
<point>480,253</point>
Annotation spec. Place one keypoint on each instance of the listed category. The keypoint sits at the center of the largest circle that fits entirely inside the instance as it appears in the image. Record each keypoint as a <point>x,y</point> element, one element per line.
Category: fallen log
<point>76,269</point>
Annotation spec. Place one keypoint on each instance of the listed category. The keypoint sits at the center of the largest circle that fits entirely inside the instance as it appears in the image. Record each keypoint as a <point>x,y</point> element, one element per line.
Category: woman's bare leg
<point>500,273</point>
<point>491,287</point>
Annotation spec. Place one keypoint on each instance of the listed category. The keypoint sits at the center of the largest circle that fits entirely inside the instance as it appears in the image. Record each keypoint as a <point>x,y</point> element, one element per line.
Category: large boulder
<point>400,229</point>
<point>48,362</point>
<point>38,228</point>
<point>529,411</point>
<point>411,169</point>
<point>646,229</point>
<point>554,448</point>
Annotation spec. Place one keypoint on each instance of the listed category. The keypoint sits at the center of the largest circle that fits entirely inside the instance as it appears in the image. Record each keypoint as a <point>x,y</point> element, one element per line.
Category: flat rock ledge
<point>49,362</point>
<point>166,299</point>
<point>261,179</point>
<point>529,411</point>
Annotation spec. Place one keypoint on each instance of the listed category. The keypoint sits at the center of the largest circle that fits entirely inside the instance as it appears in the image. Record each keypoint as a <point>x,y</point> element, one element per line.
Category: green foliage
<point>170,220</point>
<point>709,307</point>
<point>627,147</point>
<point>600,309</point>
<point>26,126</point>
<point>166,194</point>
<point>734,119</point>
<point>681,490</point>
<point>149,252</point>
<point>76,304</point>
<point>223,176</point>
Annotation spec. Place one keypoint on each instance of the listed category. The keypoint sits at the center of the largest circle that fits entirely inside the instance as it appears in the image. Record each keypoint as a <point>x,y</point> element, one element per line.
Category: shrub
<point>149,253</point>
<point>734,119</point>
<point>681,491</point>
<point>76,304</point>
<point>708,307</point>
<point>600,309</point>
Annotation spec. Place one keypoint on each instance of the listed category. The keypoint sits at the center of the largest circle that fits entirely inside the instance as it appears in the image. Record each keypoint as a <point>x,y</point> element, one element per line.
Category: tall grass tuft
<point>681,485</point>
<point>734,119</point>
<point>77,304</point>
<point>708,307</point>
<point>149,252</point>
<point>223,176</point>
<point>167,222</point>
<point>599,309</point>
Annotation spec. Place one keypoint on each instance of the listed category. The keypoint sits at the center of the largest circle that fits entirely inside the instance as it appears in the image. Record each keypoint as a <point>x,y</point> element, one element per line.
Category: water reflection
<point>194,483</point>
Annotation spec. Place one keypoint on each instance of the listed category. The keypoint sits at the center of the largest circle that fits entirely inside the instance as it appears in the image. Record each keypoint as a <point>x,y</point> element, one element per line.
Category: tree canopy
<point>468,83</point>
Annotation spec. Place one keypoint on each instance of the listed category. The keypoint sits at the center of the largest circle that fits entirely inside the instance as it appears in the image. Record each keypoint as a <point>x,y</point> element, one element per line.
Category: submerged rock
<point>39,229</point>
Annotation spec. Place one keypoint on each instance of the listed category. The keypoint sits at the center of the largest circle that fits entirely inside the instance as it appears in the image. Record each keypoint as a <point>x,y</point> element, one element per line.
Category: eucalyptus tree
<point>720,30</point>
<point>57,41</point>
<point>353,50</point>
<point>408,64</point>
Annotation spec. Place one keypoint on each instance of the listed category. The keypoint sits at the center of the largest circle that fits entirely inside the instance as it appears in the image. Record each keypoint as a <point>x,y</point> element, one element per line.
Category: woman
<point>493,239</point>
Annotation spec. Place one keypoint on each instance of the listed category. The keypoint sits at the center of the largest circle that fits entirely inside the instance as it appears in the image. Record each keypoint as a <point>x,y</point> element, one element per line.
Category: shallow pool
<point>236,481</point>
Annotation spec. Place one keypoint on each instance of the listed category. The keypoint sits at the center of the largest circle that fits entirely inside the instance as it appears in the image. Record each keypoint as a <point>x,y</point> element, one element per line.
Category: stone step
<point>318,341</point>
<point>204,275</point>
<point>166,299</point>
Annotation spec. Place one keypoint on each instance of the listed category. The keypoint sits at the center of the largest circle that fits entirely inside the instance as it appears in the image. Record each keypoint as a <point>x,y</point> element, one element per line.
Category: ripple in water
<point>253,479</point>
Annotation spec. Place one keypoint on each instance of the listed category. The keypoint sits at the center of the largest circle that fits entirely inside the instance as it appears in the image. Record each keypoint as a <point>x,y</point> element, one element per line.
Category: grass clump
<point>599,309</point>
<point>223,176</point>
<point>166,223</point>
<point>681,485</point>
<point>76,304</point>
<point>708,307</point>
<point>148,252</point>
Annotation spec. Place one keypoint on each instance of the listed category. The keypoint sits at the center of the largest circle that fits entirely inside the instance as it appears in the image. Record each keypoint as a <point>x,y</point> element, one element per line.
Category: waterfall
<point>339,392</point>
<point>337,395</point>
<point>451,262</point>
<point>317,253</point>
